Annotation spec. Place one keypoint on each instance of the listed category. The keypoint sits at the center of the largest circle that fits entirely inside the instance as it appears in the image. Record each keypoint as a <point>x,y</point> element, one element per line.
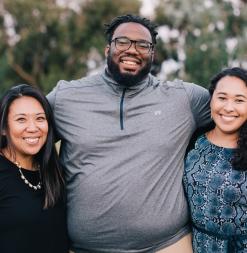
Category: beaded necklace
<point>35,187</point>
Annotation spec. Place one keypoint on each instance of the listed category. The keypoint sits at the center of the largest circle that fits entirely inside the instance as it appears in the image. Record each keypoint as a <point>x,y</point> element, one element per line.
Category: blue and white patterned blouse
<point>217,196</point>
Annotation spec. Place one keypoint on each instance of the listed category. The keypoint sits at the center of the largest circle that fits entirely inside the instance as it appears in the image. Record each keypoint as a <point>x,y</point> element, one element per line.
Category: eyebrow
<point>237,95</point>
<point>24,114</point>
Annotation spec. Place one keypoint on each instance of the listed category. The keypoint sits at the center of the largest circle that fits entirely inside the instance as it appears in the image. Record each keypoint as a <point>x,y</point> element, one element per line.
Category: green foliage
<point>55,42</point>
<point>205,27</point>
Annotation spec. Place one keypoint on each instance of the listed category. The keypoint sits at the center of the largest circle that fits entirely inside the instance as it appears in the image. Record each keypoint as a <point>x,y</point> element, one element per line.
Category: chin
<point>33,151</point>
<point>127,77</point>
<point>130,72</point>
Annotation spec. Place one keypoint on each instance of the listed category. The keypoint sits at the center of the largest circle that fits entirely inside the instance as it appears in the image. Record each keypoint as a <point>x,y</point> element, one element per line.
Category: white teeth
<point>130,63</point>
<point>228,118</point>
<point>31,140</point>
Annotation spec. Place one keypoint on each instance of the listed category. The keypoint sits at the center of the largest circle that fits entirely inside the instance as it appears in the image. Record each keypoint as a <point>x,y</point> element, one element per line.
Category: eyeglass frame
<point>151,45</point>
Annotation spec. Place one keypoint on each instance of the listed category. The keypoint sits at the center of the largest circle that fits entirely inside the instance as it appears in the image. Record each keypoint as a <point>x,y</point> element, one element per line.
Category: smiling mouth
<point>228,117</point>
<point>130,63</point>
<point>31,140</point>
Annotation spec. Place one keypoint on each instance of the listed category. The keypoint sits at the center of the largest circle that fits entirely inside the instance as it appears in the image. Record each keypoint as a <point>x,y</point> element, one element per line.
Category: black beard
<point>126,79</point>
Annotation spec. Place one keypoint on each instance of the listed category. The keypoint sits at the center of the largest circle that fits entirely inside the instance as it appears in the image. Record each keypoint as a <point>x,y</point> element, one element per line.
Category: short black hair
<point>111,27</point>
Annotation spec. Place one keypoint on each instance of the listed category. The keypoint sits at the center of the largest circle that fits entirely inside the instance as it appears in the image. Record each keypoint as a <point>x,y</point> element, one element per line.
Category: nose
<point>32,126</point>
<point>229,107</point>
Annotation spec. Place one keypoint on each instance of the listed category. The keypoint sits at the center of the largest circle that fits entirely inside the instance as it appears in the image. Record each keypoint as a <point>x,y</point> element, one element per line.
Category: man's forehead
<point>133,30</point>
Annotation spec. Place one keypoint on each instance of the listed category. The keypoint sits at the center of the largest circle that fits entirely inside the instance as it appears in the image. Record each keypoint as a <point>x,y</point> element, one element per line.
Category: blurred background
<point>43,41</point>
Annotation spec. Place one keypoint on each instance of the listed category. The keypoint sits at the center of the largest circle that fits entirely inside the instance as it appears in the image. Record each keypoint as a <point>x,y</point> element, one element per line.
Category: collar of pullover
<point>117,89</point>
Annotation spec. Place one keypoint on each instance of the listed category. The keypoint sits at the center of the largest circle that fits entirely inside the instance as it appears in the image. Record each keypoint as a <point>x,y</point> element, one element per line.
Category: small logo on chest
<point>158,112</point>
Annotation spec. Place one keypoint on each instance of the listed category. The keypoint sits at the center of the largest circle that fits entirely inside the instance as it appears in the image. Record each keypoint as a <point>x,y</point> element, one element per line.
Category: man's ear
<point>107,49</point>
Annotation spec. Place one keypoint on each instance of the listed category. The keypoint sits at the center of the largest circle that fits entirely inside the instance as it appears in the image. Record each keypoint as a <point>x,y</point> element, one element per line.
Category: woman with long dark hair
<point>215,176</point>
<point>32,209</point>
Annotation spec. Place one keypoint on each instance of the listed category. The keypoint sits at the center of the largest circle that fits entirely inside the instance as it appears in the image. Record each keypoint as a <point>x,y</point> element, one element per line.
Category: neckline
<point>16,167</point>
<point>204,136</point>
<point>117,89</point>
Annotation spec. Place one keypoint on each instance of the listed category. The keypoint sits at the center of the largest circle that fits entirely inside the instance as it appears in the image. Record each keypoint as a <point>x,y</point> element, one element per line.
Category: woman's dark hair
<point>46,158</point>
<point>239,160</point>
<point>111,27</point>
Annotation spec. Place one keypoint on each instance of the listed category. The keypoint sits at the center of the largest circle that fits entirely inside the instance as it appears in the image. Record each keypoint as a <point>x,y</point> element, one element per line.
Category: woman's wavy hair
<point>47,157</point>
<point>239,160</point>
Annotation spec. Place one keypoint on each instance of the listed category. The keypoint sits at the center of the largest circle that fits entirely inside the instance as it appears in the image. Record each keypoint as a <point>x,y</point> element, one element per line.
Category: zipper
<point>122,111</point>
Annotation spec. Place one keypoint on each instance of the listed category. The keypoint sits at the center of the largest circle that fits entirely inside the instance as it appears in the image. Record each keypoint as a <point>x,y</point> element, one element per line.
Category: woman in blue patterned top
<point>215,176</point>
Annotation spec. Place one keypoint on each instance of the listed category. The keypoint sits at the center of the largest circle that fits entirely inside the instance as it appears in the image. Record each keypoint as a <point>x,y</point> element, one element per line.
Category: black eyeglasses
<point>124,43</point>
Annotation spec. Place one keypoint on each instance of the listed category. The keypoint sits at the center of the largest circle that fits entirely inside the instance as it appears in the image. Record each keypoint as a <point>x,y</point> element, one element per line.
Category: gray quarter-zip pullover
<point>123,152</point>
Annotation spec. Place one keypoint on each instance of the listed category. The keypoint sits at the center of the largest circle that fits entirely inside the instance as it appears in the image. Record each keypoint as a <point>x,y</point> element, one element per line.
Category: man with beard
<point>123,138</point>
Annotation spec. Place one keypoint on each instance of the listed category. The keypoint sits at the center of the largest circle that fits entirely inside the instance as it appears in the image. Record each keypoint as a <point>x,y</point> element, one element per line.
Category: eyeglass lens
<point>125,43</point>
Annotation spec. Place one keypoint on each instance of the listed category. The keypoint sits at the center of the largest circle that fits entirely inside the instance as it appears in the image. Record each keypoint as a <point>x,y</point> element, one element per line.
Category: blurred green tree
<point>211,35</point>
<point>42,42</point>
